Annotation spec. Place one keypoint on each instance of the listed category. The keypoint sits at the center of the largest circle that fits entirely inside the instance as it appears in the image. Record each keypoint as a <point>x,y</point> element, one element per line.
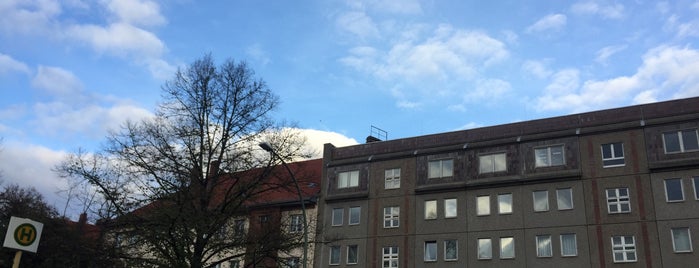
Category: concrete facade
<point>607,188</point>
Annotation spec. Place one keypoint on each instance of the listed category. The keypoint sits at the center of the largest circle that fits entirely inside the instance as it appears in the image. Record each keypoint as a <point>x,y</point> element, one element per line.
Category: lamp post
<point>267,147</point>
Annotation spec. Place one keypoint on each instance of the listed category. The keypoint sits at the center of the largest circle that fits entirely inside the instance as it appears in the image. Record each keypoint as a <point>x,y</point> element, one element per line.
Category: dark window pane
<point>689,140</point>
<point>606,151</point>
<point>673,190</point>
<point>618,149</point>
<point>672,142</point>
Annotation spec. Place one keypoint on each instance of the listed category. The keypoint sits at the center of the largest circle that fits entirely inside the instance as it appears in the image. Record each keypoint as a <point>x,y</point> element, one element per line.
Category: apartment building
<point>610,188</point>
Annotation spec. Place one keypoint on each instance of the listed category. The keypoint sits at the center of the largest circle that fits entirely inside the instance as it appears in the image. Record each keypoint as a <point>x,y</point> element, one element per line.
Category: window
<point>450,208</point>
<point>390,257</point>
<point>337,216</point>
<point>239,228</point>
<point>440,168</point>
<point>348,179</point>
<point>296,223</point>
<point>695,181</point>
<point>564,198</point>
<point>618,200</point>
<point>431,251</point>
<point>335,255</point>
<point>234,264</point>
<point>613,154</point>
<point>485,249</point>
<point>354,215</point>
<point>549,156</point>
<point>505,203</point>
<point>430,209</point>
<point>673,190</point>
<point>569,245</point>
<point>681,240</point>
<point>541,200</point>
<point>352,254</point>
<point>507,247</point>
<point>492,163</point>
<point>624,248</point>
<point>392,178</point>
<point>543,246</point>
<point>483,205</point>
<point>391,217</point>
<point>451,250</point>
<point>681,141</point>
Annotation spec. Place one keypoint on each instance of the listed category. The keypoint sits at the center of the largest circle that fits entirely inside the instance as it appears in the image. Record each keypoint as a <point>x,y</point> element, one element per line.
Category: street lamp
<point>267,147</point>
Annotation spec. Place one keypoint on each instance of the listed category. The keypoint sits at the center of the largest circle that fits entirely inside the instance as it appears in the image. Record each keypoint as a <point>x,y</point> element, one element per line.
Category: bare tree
<point>171,184</point>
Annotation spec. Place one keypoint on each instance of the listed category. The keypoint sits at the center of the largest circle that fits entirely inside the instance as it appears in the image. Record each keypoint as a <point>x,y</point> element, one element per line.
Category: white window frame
<point>504,254</point>
<point>483,201</point>
<point>335,250</point>
<point>625,248</point>
<point>348,179</point>
<point>667,194</point>
<point>681,141</point>
<point>503,201</point>
<point>432,246</point>
<point>546,198</point>
<point>575,244</point>
<point>456,249</point>
<point>448,203</point>
<point>618,200</point>
<point>695,184</point>
<point>615,156</point>
<point>296,223</point>
<point>392,178</point>
<point>484,251</point>
<point>390,257</point>
<point>487,163</point>
<point>356,254</point>
<point>445,166</point>
<point>569,193</point>
<point>549,156</point>
<point>391,217</point>
<point>358,211</point>
<point>674,242</point>
<point>335,219</point>
<point>543,246</point>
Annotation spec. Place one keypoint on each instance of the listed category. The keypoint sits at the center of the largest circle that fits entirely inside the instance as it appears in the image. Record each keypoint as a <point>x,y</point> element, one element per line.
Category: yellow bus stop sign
<point>23,234</point>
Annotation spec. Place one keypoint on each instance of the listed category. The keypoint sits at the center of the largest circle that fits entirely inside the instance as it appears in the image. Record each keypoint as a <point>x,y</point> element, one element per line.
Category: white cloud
<point>137,12</point>
<point>119,39</point>
<point>667,72</point>
<point>448,53</point>
<point>408,7</point>
<point>124,36</point>
<point>358,24</point>
<point>8,64</point>
<point>487,90</point>
<point>611,11</point>
<point>316,139</point>
<point>30,165</point>
<point>551,22</point>
<point>258,54</point>
<point>28,16</point>
<point>537,68</point>
<point>603,54</point>
<point>57,82</point>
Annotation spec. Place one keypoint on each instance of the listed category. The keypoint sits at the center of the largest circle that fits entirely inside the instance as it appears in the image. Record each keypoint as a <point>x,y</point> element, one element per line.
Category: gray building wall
<point>646,165</point>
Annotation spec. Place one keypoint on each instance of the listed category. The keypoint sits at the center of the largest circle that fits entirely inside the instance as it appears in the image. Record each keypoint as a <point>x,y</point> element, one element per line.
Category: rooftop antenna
<point>376,134</point>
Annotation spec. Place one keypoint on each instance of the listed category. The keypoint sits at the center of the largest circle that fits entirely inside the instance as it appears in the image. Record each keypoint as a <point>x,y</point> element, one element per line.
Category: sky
<point>72,70</point>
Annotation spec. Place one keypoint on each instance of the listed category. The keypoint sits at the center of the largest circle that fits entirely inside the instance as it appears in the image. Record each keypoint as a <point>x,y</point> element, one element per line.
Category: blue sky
<point>70,70</point>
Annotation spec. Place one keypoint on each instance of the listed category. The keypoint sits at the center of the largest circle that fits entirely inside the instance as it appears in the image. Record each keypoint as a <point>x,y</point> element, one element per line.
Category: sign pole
<point>18,257</point>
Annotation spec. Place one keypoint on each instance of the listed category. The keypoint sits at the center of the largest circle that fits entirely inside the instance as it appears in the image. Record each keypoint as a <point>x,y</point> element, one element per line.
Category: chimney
<point>83,219</point>
<point>370,139</point>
